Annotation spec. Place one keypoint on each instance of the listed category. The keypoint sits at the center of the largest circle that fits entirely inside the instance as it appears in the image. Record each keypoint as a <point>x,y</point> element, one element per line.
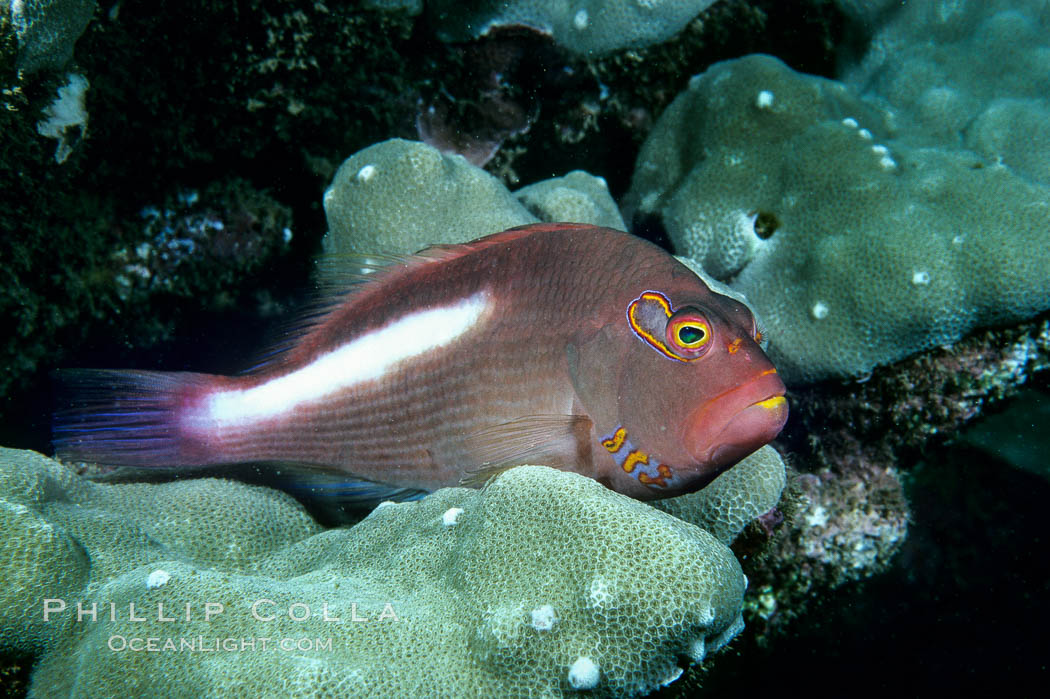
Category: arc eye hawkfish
<point>582,348</point>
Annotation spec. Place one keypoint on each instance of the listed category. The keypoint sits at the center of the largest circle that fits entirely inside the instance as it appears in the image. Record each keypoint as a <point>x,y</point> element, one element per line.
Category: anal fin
<point>323,483</point>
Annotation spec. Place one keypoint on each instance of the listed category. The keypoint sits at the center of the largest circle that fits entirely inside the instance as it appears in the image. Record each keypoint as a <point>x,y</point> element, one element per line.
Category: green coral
<point>734,499</point>
<point>588,27</point>
<point>37,554</point>
<point>577,197</point>
<point>539,584</point>
<point>401,196</point>
<point>878,247</point>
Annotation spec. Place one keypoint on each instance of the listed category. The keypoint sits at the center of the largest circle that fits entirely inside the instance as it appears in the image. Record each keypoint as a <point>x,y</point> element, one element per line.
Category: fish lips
<point>733,424</point>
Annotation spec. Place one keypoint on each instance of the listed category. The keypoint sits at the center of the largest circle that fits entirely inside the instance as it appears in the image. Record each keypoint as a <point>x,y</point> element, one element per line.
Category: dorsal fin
<point>340,272</point>
<point>336,277</point>
<point>340,277</point>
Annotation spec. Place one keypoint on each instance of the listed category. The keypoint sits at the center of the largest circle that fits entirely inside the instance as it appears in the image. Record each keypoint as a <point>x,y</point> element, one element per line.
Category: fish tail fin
<point>129,418</point>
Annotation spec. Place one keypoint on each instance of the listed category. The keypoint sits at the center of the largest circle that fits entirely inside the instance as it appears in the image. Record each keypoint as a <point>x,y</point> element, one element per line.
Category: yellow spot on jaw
<point>614,443</point>
<point>633,459</point>
<point>772,403</point>
<point>735,345</point>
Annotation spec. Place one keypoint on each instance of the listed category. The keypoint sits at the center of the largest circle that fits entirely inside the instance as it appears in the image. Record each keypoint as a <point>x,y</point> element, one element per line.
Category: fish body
<point>578,347</point>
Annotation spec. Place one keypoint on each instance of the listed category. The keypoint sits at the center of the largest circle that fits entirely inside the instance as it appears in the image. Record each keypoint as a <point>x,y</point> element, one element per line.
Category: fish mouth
<point>733,424</point>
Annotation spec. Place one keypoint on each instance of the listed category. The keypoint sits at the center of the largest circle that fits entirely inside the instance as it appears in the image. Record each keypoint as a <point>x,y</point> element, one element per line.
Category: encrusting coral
<point>374,201</point>
<point>734,499</point>
<point>542,583</point>
<point>578,197</point>
<point>864,227</point>
<point>589,27</point>
<point>402,196</point>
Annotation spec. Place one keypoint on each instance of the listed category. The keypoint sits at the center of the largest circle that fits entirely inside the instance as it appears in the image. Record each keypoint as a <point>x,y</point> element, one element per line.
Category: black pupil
<point>689,334</point>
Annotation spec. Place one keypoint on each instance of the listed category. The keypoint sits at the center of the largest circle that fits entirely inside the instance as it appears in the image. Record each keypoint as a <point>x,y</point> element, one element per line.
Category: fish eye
<point>688,333</point>
<point>691,335</point>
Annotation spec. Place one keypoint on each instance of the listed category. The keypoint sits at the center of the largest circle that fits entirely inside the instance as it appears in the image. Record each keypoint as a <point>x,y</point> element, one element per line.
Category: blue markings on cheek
<point>636,462</point>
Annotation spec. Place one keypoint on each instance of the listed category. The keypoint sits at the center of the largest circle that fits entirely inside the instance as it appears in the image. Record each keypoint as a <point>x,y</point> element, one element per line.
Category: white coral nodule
<point>543,618</point>
<point>366,173</point>
<point>584,674</point>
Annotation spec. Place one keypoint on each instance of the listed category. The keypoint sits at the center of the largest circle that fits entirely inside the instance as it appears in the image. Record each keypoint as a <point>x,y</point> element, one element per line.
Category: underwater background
<point>875,182</point>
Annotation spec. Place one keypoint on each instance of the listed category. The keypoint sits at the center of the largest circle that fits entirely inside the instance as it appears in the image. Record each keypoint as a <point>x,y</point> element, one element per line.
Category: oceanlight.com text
<point>209,644</point>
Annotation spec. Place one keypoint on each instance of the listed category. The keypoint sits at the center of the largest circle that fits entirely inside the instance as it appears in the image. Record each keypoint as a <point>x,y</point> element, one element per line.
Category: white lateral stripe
<point>362,359</point>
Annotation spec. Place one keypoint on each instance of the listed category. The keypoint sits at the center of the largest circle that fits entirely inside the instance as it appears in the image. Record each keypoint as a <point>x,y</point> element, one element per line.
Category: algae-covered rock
<point>47,31</point>
<point>856,243</point>
<point>540,584</point>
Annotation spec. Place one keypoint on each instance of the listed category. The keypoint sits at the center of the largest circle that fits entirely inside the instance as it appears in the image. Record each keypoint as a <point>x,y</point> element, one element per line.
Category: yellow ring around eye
<point>691,334</point>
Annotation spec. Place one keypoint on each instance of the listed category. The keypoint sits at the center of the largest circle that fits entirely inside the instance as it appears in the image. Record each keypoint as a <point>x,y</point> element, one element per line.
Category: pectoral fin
<point>558,441</point>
